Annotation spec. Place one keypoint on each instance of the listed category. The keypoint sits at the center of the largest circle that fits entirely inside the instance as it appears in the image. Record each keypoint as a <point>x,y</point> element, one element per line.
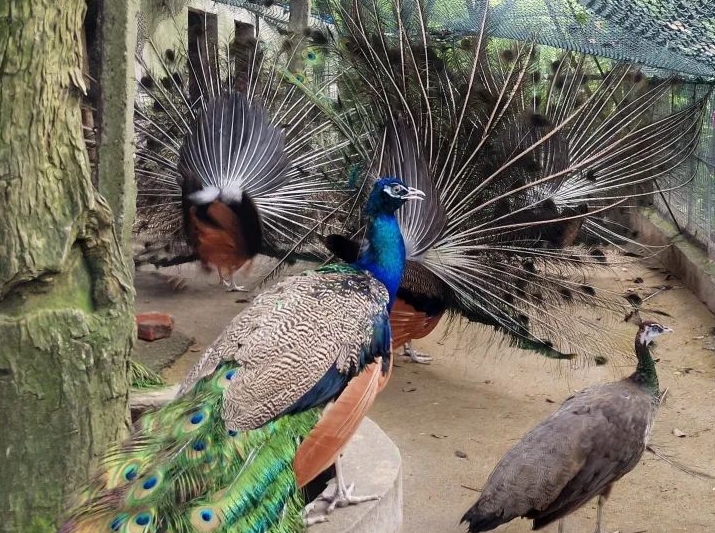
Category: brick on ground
<point>153,325</point>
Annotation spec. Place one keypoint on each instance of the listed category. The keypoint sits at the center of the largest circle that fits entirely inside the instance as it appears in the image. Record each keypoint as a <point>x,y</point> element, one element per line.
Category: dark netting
<point>692,206</point>
<point>673,35</point>
<point>677,36</point>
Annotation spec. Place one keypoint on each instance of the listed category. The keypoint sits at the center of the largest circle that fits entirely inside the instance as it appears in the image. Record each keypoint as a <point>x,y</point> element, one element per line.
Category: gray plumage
<point>289,337</point>
<point>596,437</point>
<point>234,148</point>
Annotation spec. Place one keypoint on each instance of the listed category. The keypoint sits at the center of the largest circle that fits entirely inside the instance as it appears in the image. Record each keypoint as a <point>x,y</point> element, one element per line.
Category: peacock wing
<point>285,366</point>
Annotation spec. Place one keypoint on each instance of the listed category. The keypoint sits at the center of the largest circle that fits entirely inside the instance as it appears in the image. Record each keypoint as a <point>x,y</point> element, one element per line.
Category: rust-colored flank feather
<point>407,323</point>
<point>221,243</point>
<point>338,424</point>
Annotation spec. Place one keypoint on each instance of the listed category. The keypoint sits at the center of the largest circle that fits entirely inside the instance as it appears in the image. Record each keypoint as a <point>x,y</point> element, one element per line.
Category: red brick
<point>152,326</point>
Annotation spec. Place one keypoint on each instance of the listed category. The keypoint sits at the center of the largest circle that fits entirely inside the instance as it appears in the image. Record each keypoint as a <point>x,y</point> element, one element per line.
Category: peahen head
<point>388,195</point>
<point>383,251</point>
<point>649,330</point>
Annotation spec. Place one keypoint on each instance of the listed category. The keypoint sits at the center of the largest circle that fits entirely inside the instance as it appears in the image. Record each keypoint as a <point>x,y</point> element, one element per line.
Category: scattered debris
<point>679,433</point>
<point>460,454</point>
<point>411,389</point>
<point>549,400</point>
<point>480,490</point>
<point>434,435</point>
<point>638,280</point>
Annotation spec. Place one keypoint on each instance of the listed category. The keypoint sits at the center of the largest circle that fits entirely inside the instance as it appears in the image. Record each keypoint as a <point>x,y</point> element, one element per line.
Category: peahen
<point>230,162</point>
<point>523,167</point>
<point>253,421</point>
<point>595,438</point>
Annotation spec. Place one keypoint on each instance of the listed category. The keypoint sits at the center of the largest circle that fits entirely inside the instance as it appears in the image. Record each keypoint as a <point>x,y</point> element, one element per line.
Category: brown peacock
<point>230,161</point>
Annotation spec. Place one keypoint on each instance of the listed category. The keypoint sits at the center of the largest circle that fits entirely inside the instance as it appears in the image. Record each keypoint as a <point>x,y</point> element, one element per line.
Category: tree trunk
<point>66,319</point>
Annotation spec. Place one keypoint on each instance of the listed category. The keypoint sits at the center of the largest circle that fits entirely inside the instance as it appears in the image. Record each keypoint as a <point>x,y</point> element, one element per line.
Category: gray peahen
<point>595,438</point>
<point>523,167</point>
<point>253,421</point>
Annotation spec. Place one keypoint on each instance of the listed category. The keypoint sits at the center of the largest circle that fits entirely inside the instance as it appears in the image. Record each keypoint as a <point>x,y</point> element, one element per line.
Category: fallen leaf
<point>678,433</point>
<point>638,280</point>
<point>549,400</point>
<point>411,389</point>
<point>438,436</point>
<point>460,454</point>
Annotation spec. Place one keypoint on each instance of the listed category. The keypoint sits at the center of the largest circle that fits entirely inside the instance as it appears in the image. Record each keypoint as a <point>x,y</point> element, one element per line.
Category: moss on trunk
<point>66,317</point>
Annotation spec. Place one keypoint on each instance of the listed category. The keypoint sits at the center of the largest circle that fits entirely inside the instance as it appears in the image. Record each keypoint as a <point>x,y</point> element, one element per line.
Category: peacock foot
<point>342,496</point>
<point>415,356</point>
<point>231,286</point>
<point>312,520</point>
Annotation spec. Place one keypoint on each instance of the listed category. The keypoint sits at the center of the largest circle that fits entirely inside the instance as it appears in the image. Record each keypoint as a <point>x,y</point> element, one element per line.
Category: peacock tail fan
<point>179,83</point>
<point>528,151</point>
<point>182,470</point>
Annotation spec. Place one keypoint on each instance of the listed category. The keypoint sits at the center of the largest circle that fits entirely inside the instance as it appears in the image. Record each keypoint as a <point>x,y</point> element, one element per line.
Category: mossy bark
<point>66,317</point>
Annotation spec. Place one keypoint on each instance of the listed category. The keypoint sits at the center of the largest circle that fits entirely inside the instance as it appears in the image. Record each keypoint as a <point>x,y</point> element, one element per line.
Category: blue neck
<point>384,256</point>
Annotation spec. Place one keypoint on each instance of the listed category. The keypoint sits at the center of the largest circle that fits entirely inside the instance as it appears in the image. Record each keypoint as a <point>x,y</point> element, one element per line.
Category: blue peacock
<point>522,166</point>
<point>234,449</point>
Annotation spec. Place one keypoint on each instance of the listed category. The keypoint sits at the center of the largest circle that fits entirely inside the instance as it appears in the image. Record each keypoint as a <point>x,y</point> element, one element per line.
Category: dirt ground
<point>453,419</point>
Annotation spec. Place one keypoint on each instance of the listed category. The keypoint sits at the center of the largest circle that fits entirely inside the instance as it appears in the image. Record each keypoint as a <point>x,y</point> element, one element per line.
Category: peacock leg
<point>561,526</point>
<point>343,494</point>
<point>416,356</point>
<point>232,286</point>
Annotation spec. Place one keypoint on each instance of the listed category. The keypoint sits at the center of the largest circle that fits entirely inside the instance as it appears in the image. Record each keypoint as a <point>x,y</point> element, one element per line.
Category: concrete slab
<point>373,462</point>
<point>161,353</point>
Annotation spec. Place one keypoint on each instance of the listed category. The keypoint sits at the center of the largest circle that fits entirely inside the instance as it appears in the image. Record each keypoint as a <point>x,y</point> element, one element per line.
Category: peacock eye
<point>397,189</point>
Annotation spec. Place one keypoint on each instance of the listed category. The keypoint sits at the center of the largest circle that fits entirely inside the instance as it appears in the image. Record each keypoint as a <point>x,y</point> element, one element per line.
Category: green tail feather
<point>183,471</point>
<point>143,377</point>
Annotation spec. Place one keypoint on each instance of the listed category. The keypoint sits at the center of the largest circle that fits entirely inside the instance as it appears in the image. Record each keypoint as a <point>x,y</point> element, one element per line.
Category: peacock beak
<point>414,194</point>
<point>666,330</point>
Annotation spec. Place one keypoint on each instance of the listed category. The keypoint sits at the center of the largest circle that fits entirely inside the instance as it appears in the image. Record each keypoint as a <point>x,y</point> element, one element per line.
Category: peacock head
<point>388,194</point>
<point>649,330</point>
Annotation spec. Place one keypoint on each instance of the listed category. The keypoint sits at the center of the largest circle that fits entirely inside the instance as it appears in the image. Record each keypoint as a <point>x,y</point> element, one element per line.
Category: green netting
<point>673,35</point>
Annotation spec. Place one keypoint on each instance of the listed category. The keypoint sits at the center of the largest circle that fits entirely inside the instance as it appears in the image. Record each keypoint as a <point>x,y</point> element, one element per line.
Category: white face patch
<point>395,190</point>
<point>651,331</point>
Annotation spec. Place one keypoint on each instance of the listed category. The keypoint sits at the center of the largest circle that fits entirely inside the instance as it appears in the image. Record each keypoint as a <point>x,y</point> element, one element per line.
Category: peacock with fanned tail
<point>232,452</point>
<point>521,167</point>
<point>230,162</point>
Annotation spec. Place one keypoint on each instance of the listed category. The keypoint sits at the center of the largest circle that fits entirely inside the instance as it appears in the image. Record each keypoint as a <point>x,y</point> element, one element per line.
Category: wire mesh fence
<point>692,206</point>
